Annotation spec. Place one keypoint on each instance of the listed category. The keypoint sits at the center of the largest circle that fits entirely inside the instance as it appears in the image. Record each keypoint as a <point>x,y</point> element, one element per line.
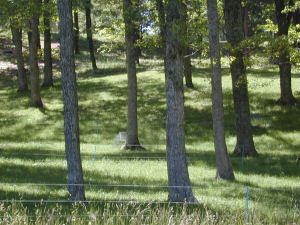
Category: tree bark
<point>224,167</point>
<point>284,21</point>
<point>71,122</point>
<point>76,33</point>
<point>89,33</point>
<point>187,57</point>
<point>17,40</point>
<point>48,74</point>
<point>35,99</point>
<point>178,176</point>
<point>234,34</point>
<point>132,140</point>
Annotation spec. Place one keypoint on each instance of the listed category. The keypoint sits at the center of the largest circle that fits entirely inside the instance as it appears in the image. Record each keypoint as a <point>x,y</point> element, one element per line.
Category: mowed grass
<point>32,150</point>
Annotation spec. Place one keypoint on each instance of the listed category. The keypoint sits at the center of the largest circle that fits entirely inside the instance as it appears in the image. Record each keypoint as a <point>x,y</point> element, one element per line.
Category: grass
<point>32,150</point>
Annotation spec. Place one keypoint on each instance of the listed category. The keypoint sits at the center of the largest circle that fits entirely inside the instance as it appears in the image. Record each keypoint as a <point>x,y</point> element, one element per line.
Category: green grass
<point>32,150</point>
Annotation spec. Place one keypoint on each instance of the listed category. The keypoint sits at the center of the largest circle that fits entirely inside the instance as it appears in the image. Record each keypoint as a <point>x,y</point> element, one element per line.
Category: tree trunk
<point>246,28</point>
<point>224,167</point>
<point>179,182</point>
<point>162,26</point>
<point>284,21</point>
<point>76,33</point>
<point>188,68</point>
<point>132,140</point>
<point>35,99</point>
<point>71,122</point>
<point>234,34</point>
<point>187,54</point>
<point>89,32</point>
<point>48,74</point>
<point>17,39</point>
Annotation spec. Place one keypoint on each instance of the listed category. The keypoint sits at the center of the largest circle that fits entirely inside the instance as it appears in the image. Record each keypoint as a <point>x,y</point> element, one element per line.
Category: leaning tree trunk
<point>35,99</point>
<point>284,21</point>
<point>76,33</point>
<point>187,54</point>
<point>89,32</point>
<point>178,176</point>
<point>234,34</point>
<point>132,140</point>
<point>71,121</point>
<point>48,74</point>
<point>224,167</point>
<point>17,39</point>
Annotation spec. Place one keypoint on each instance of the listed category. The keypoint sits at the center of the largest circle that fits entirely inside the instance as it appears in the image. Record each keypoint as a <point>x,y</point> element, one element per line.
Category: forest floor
<point>32,149</point>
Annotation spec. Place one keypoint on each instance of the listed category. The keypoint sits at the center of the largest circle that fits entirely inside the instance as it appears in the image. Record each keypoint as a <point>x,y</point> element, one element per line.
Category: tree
<point>187,52</point>
<point>162,26</point>
<point>71,121</point>
<point>16,30</point>
<point>224,167</point>
<point>48,74</point>
<point>132,140</point>
<point>284,21</point>
<point>89,33</point>
<point>76,32</point>
<point>179,182</point>
<point>234,35</point>
<point>35,99</point>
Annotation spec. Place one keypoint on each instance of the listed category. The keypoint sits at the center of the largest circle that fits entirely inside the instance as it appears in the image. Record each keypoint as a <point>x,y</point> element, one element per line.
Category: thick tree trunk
<point>48,74</point>
<point>224,167</point>
<point>234,34</point>
<point>89,32</point>
<point>75,175</point>
<point>76,33</point>
<point>17,39</point>
<point>284,21</point>
<point>187,54</point>
<point>132,140</point>
<point>179,182</point>
<point>35,99</point>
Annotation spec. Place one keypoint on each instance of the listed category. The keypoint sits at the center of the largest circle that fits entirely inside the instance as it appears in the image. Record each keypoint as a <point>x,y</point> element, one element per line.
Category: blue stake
<point>98,126</point>
<point>247,206</point>
<point>94,157</point>
<point>271,118</point>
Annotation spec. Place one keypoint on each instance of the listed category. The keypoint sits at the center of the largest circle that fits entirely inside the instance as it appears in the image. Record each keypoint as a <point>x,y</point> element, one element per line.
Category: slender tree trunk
<point>132,140</point>
<point>246,28</point>
<point>234,34</point>
<point>76,33</point>
<point>284,21</point>
<point>89,32</point>
<point>48,74</point>
<point>179,182</point>
<point>188,68</point>
<point>187,54</point>
<point>162,26</point>
<point>17,39</point>
<point>224,167</point>
<point>75,175</point>
<point>35,99</point>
